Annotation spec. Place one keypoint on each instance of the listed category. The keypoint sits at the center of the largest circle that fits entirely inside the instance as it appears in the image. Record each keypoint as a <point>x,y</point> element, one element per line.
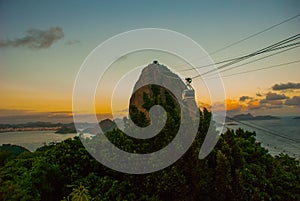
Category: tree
<point>79,193</point>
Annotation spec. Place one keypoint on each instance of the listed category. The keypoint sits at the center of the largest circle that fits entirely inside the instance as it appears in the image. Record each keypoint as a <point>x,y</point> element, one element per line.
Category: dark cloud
<point>286,86</point>
<point>275,96</point>
<point>271,102</point>
<point>35,39</point>
<point>244,98</point>
<point>295,101</point>
<point>259,94</point>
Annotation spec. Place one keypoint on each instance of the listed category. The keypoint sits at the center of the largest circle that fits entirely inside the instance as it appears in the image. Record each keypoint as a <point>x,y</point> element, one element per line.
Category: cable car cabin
<point>189,92</point>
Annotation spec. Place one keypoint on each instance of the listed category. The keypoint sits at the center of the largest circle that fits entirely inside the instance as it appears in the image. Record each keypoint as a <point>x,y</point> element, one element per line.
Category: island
<point>247,117</point>
<point>67,128</point>
<point>39,126</point>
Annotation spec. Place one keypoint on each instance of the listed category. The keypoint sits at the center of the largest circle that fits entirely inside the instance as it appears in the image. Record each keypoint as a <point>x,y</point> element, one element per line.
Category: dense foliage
<point>238,168</point>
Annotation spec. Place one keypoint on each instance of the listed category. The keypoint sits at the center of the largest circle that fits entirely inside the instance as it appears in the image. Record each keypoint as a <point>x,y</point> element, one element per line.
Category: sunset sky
<point>44,43</point>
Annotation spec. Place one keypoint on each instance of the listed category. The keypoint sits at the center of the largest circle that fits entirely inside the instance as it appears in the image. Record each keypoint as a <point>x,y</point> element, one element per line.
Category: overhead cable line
<point>220,62</point>
<point>255,34</point>
<point>258,69</point>
<point>248,37</point>
<point>243,64</point>
<point>265,130</point>
<point>273,47</point>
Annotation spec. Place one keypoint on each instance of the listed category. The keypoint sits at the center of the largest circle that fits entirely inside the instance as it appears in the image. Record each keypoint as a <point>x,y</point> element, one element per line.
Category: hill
<point>15,149</point>
<point>246,117</point>
<point>106,125</point>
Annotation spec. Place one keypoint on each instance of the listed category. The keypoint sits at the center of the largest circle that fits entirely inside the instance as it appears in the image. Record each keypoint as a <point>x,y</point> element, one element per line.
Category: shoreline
<point>6,130</point>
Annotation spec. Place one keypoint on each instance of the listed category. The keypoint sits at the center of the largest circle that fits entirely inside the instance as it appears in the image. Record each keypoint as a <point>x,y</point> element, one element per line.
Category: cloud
<point>254,104</point>
<point>295,101</point>
<point>232,105</point>
<point>244,98</point>
<point>288,85</point>
<point>259,94</point>
<point>271,104</point>
<point>273,100</point>
<point>35,38</point>
<point>275,96</point>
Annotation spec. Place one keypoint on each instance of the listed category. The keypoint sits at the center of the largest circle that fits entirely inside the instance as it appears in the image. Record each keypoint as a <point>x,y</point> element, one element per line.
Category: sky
<point>44,43</point>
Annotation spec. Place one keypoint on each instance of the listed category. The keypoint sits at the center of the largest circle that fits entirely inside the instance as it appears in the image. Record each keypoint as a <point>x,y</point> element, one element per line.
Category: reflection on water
<point>283,135</point>
<point>32,140</point>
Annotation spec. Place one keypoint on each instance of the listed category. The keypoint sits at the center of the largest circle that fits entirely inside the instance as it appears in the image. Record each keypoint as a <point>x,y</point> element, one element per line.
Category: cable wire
<point>259,69</point>
<point>248,37</point>
<point>234,67</point>
<point>265,130</point>
<point>273,47</point>
<point>255,34</point>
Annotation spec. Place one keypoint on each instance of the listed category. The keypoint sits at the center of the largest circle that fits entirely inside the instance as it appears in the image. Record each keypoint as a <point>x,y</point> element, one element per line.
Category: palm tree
<point>78,194</point>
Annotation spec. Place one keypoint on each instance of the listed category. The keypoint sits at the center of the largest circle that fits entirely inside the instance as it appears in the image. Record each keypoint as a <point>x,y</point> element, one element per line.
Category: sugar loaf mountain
<point>148,91</point>
<point>171,97</point>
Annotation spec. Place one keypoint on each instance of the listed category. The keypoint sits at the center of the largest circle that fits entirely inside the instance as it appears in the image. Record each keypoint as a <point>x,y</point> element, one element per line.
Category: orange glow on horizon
<point>254,104</point>
<point>59,103</point>
<point>232,104</point>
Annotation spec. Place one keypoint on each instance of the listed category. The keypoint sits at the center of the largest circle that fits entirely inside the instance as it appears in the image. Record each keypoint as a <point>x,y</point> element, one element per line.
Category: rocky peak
<point>152,80</point>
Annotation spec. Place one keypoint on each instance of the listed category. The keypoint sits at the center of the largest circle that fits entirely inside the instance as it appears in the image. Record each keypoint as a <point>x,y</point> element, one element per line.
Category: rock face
<point>160,75</point>
<point>155,80</point>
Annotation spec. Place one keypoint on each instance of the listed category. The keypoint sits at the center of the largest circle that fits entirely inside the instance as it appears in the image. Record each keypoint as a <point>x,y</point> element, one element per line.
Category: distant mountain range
<point>247,117</point>
<point>106,125</point>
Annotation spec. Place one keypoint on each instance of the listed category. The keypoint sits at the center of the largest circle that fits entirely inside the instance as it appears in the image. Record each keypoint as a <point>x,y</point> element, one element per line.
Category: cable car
<point>189,92</point>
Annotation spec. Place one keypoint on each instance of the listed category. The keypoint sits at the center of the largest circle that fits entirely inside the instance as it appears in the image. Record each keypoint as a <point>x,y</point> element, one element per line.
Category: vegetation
<point>238,168</point>
<point>8,151</point>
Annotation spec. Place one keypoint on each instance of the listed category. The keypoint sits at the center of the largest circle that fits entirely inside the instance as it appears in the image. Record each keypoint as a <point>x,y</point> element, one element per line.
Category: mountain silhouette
<point>155,81</point>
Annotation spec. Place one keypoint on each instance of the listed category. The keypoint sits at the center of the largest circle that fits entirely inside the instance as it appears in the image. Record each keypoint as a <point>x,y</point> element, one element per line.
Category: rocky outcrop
<point>157,78</point>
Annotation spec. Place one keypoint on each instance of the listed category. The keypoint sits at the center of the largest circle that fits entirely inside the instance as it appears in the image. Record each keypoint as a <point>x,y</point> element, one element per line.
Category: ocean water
<point>283,136</point>
<point>278,135</point>
<point>32,140</point>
